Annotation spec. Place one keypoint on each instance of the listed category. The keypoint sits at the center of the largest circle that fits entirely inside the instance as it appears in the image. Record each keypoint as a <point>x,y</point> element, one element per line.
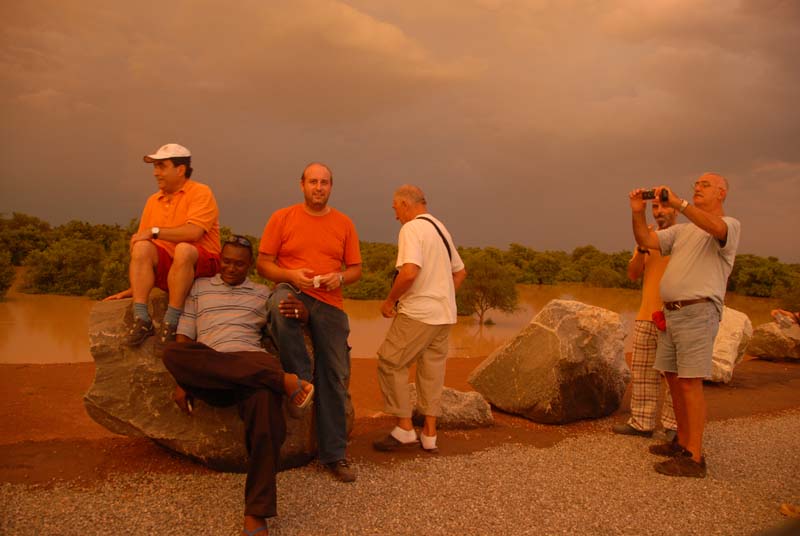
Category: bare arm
<point>188,232</point>
<point>405,278</point>
<point>636,265</point>
<point>459,277</point>
<point>710,223</point>
<point>334,280</point>
<point>267,268</point>
<point>644,236</point>
<point>120,295</point>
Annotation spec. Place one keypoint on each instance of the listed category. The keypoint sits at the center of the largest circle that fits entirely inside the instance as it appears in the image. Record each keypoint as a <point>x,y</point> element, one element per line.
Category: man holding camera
<point>693,289</point>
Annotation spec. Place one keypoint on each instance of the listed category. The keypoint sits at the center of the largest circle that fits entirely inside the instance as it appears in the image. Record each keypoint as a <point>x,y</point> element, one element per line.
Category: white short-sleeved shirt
<point>431,298</point>
<point>699,265</point>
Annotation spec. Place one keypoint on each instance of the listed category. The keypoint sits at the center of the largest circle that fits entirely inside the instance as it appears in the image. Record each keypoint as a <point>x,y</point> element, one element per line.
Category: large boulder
<point>132,395</point>
<point>735,331</point>
<point>460,409</point>
<point>567,364</point>
<point>773,342</point>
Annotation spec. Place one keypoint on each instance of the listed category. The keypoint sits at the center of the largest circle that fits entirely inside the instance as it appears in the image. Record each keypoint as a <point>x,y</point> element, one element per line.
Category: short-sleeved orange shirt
<point>323,244</point>
<point>193,203</point>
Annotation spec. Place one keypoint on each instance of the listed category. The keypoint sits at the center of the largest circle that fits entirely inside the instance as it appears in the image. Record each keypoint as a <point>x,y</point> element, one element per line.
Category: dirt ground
<point>46,435</point>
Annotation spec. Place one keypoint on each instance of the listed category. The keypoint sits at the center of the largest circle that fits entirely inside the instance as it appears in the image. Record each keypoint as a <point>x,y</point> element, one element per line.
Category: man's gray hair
<point>722,179</point>
<point>412,194</point>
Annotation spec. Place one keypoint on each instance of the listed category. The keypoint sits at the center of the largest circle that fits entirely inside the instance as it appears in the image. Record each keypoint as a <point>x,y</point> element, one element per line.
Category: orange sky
<point>523,121</point>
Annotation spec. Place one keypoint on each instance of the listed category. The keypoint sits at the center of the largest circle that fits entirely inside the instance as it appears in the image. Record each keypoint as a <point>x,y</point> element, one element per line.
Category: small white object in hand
<point>317,279</point>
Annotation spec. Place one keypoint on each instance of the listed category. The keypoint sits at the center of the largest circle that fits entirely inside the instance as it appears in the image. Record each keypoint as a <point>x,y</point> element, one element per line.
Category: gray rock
<point>132,395</point>
<point>460,409</point>
<point>773,342</point>
<point>735,331</point>
<point>567,364</point>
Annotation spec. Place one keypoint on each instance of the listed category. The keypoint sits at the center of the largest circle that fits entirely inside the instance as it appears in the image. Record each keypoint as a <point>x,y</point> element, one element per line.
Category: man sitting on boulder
<point>177,241</point>
<point>218,358</point>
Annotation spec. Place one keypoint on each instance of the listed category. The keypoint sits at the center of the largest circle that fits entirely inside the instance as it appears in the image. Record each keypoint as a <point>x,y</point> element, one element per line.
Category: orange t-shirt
<point>654,266</point>
<point>193,203</point>
<point>323,244</point>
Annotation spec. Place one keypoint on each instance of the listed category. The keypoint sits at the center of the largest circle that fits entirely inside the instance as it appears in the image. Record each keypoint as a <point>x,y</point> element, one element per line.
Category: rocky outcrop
<point>460,409</point>
<point>735,331</point>
<point>773,342</point>
<point>132,395</point>
<point>567,364</point>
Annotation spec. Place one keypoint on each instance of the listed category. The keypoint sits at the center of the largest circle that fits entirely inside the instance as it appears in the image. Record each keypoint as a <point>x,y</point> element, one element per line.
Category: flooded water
<point>53,329</point>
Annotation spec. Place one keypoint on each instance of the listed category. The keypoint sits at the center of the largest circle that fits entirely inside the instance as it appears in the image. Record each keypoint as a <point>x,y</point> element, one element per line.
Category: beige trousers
<point>407,342</point>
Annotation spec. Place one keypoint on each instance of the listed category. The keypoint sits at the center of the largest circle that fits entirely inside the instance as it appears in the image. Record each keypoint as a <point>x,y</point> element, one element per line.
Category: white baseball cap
<point>170,150</point>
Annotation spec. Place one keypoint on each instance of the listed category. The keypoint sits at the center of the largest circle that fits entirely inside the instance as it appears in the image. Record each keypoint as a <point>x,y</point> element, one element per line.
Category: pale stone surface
<point>567,364</point>
<point>132,395</point>
<point>460,409</point>
<point>735,331</point>
<point>772,342</point>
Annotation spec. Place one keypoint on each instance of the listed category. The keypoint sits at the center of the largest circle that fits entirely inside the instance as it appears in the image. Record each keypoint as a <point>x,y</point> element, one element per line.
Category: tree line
<point>80,258</point>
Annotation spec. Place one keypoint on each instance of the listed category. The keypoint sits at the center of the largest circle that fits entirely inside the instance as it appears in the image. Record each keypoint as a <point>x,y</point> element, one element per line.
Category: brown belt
<point>675,305</point>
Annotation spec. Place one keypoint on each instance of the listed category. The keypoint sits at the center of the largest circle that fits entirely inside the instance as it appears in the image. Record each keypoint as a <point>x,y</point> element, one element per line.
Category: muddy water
<point>42,328</point>
<point>53,329</point>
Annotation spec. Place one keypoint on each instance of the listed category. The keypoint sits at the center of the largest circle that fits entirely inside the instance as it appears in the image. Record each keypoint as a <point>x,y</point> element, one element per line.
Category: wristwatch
<point>155,231</point>
<point>683,206</point>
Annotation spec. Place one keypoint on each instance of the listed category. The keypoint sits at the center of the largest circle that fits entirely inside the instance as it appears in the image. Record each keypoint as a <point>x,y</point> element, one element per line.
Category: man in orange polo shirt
<point>311,250</point>
<point>178,240</point>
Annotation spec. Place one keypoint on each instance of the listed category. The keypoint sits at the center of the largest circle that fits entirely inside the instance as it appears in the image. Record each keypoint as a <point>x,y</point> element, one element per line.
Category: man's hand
<point>388,310</point>
<point>292,307</point>
<point>146,234</point>
<point>330,281</point>
<point>301,278</point>
<point>674,201</point>
<point>184,400</point>
<point>119,295</point>
<point>637,203</point>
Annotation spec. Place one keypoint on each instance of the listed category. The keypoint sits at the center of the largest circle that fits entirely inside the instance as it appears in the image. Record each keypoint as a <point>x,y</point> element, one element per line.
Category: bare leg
<point>144,259</point>
<point>405,423</point>
<point>251,523</point>
<point>679,405</point>
<point>181,274</point>
<point>429,428</point>
<point>695,407</point>
<point>290,386</point>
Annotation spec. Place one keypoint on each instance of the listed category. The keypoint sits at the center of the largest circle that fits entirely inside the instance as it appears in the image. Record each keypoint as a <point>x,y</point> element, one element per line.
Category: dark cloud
<point>524,121</point>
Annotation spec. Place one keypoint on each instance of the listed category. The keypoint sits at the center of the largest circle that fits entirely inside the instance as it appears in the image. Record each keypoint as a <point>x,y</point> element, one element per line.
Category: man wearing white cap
<point>178,240</point>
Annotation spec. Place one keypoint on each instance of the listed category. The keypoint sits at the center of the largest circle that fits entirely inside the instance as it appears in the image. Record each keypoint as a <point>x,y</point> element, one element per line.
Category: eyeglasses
<point>240,240</point>
<point>702,184</point>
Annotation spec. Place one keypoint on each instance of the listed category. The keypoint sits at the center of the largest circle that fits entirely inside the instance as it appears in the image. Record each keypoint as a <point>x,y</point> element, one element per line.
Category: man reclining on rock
<point>218,358</point>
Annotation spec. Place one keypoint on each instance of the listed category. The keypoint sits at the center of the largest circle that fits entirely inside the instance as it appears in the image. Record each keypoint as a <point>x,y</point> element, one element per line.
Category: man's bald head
<point>411,194</point>
<point>408,203</point>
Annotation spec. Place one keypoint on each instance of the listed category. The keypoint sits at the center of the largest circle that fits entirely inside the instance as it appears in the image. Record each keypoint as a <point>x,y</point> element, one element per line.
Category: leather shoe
<point>627,429</point>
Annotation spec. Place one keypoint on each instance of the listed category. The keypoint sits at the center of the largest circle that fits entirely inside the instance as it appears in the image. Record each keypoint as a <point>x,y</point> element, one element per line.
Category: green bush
<point>489,285</point>
<point>70,266</point>
<point>6,273</point>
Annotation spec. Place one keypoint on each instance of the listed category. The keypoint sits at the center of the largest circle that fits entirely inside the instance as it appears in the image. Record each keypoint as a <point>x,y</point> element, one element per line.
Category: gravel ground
<point>595,483</point>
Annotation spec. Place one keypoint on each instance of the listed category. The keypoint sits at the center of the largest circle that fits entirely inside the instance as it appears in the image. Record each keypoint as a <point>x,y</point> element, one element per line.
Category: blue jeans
<point>329,327</point>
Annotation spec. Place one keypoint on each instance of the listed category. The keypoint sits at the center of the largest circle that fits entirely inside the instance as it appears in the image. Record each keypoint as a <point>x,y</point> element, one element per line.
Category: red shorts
<point>207,265</point>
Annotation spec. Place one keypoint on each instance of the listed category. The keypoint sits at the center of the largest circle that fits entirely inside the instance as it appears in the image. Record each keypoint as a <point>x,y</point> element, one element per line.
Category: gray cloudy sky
<point>523,121</point>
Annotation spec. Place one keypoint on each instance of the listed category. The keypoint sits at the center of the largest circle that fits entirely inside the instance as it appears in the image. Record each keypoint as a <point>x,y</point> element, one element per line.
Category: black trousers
<point>254,382</point>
